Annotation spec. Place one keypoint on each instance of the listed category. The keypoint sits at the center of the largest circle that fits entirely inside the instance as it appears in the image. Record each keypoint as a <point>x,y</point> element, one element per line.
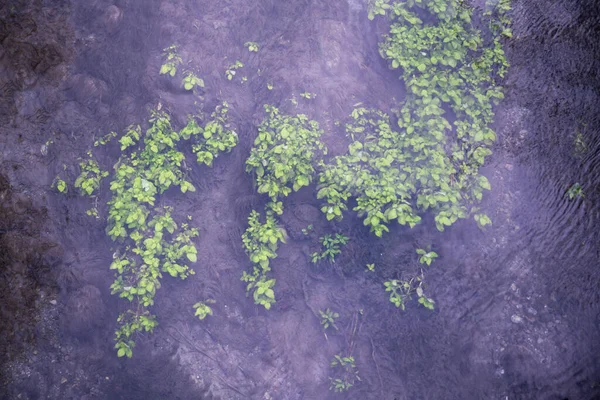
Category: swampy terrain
<point>517,303</point>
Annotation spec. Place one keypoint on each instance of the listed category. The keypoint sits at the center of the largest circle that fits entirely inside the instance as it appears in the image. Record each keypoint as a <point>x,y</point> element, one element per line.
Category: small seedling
<point>93,212</point>
<point>371,267</point>
<point>252,46</point>
<point>308,95</point>
<point>60,185</point>
<point>307,230</point>
<point>232,69</point>
<point>190,81</point>
<point>328,318</point>
<point>426,257</point>
<point>270,86</point>
<point>203,309</point>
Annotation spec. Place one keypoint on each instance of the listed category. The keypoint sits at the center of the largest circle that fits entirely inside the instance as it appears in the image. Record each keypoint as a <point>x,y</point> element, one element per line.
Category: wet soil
<point>518,307</point>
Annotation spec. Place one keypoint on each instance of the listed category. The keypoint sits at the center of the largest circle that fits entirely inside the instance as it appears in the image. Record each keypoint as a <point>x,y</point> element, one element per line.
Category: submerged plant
<point>431,161</point>
<point>306,231</point>
<point>427,257</point>
<point>575,191</point>
<point>261,241</point>
<point>89,179</point>
<point>232,69</point>
<point>252,46</point>
<point>171,61</point>
<point>328,318</point>
<point>402,290</point>
<point>60,185</point>
<point>151,241</point>
<point>191,81</point>
<point>330,247</point>
<point>284,155</point>
<point>345,374</point>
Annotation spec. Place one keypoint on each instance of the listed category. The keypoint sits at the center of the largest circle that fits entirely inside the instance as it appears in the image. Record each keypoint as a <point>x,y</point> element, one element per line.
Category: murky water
<point>518,306</point>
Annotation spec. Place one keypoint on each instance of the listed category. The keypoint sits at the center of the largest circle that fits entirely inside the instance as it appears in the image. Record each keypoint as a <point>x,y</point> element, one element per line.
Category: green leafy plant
<point>330,247</point>
<point>270,86</point>
<point>191,81</point>
<point>427,257</point>
<point>345,374</point>
<point>171,61</point>
<point>261,241</point>
<point>232,69</point>
<point>284,155</point>
<point>328,318</point>
<point>308,95</point>
<point>371,267</point>
<point>252,46</point>
<point>203,309</point>
<point>90,177</point>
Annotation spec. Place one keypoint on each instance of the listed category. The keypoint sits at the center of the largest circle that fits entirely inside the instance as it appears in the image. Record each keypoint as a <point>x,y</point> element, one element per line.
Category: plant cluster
<point>282,159</point>
<point>330,247</point>
<point>284,155</point>
<point>345,373</point>
<point>261,241</point>
<point>153,243</point>
<point>432,163</point>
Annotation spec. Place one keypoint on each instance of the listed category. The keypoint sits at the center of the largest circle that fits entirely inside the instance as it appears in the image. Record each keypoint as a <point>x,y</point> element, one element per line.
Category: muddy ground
<point>518,307</point>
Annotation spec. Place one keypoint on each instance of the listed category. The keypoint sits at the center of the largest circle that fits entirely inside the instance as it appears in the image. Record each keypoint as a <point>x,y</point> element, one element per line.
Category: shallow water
<point>518,306</point>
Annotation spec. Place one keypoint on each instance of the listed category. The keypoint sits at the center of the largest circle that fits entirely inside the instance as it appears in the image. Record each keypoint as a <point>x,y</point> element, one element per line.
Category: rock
<point>112,17</point>
<point>516,319</point>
